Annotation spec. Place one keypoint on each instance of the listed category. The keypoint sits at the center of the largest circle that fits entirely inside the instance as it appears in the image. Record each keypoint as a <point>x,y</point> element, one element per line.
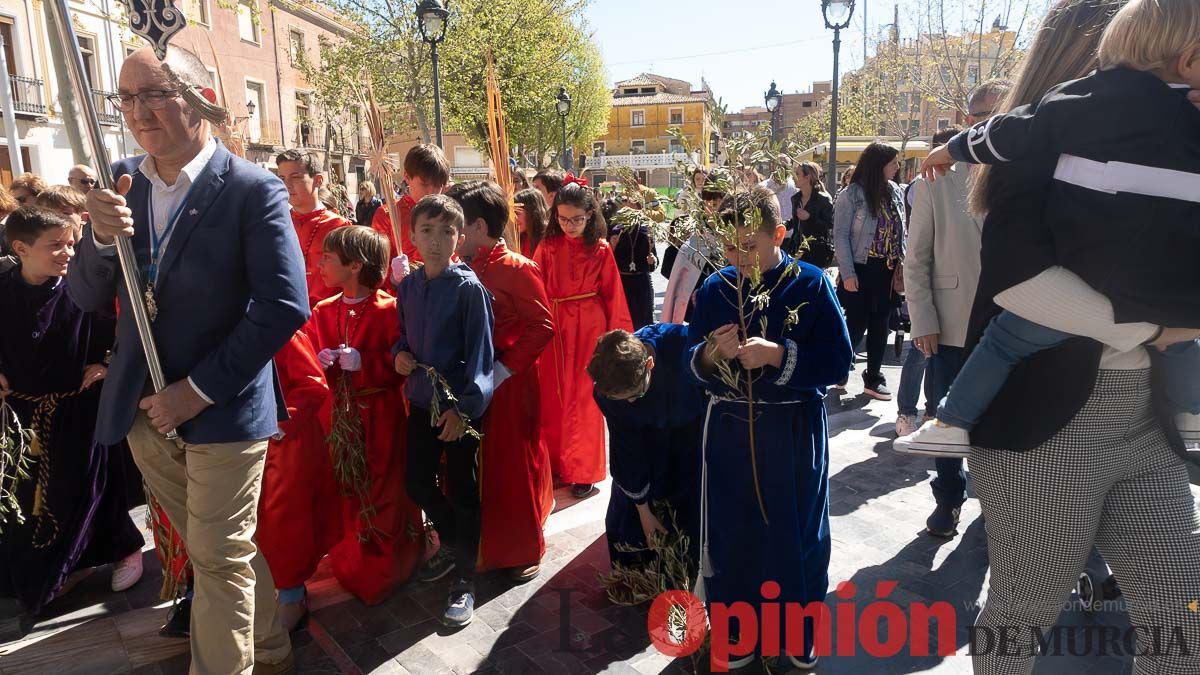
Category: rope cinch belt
<point>46,405</point>
<point>560,358</point>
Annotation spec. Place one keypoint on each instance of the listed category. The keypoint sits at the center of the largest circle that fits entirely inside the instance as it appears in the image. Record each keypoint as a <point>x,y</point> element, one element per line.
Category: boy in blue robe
<point>653,412</point>
<point>789,361</point>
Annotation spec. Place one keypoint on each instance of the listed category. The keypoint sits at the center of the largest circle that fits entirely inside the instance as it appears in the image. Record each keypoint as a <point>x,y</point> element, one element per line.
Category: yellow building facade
<point>645,110</point>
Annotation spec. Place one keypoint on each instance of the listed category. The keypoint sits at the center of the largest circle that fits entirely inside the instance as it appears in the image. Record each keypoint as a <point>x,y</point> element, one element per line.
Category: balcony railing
<point>312,138</point>
<point>263,134</point>
<point>662,160</point>
<point>27,95</point>
<point>105,110</point>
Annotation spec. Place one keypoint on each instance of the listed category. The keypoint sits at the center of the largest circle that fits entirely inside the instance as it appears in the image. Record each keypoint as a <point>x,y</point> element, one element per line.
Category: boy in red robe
<point>383,535</point>
<point>312,220</point>
<point>296,526</point>
<point>517,489</point>
<point>587,300</point>
<point>426,172</point>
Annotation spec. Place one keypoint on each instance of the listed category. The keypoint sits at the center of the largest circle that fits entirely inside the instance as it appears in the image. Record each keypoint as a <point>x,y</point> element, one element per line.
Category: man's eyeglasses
<point>154,99</point>
<point>87,181</point>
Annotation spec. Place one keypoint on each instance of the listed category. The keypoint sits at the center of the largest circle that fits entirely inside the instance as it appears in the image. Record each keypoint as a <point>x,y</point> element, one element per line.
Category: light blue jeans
<point>1009,339</point>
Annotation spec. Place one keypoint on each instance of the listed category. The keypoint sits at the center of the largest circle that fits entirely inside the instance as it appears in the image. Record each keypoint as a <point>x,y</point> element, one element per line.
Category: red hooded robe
<point>311,229</point>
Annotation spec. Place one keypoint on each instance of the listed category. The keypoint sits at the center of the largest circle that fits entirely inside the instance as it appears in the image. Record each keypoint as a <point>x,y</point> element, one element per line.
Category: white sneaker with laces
<point>905,424</point>
<point>127,572</point>
<point>935,439</point>
<point>1188,426</point>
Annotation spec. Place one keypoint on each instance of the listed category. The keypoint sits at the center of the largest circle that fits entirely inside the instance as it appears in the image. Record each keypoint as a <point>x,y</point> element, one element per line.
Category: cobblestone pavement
<point>562,622</point>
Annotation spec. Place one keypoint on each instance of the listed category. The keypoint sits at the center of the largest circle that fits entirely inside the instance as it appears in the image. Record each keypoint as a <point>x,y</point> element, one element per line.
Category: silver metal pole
<point>90,121</point>
<point>10,118</point>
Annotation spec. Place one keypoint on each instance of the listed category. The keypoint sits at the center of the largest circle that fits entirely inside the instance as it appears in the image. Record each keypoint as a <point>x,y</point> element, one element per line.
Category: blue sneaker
<point>460,606</point>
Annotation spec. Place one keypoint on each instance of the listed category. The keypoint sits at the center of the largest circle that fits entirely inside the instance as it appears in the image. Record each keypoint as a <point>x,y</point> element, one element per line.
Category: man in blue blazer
<point>215,242</point>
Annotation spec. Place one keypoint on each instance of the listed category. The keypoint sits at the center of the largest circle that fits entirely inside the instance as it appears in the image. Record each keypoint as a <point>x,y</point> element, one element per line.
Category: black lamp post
<point>562,104</point>
<point>837,15</point>
<point>432,18</point>
<point>773,98</point>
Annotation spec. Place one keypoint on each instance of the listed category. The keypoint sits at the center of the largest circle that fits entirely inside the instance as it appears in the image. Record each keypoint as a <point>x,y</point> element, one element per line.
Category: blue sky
<point>739,46</point>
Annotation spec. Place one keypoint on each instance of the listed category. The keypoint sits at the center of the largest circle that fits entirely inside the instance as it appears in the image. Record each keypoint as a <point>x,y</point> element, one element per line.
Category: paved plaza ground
<point>562,622</point>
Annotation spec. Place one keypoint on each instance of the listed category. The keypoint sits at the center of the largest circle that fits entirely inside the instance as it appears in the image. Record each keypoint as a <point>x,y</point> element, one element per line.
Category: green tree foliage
<point>537,46</point>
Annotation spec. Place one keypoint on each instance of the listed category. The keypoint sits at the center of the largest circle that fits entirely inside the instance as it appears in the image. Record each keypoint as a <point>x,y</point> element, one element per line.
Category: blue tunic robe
<point>791,440</point>
<point>654,446</point>
<point>45,343</point>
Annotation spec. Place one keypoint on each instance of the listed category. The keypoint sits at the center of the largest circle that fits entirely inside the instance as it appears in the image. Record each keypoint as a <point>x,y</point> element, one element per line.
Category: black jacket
<point>818,230</point>
<point>1138,250</point>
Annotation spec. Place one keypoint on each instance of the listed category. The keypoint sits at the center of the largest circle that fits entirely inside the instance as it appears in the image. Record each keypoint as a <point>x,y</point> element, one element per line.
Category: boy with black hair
<point>794,347</point>
<point>353,333</point>
<point>304,182</point>
<point>518,491</point>
<point>426,172</point>
<point>445,350</point>
<point>549,182</point>
<point>653,410</point>
<point>51,356</point>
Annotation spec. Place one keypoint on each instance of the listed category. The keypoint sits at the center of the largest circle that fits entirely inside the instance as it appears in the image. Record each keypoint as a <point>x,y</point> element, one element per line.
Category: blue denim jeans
<point>1007,341</point>
<point>908,394</point>
<point>950,484</point>
<point>1180,368</point>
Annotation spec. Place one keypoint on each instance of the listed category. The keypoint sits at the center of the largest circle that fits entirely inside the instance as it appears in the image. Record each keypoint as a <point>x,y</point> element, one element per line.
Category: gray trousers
<point>1110,479</point>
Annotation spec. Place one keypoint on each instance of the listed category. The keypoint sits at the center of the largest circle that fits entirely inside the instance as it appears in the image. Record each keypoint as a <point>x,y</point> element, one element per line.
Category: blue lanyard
<point>156,242</point>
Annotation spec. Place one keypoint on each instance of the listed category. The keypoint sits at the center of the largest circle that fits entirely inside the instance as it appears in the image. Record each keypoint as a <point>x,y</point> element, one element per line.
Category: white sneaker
<point>1189,427</point>
<point>935,439</point>
<point>804,662</point>
<point>127,572</point>
<point>905,424</point>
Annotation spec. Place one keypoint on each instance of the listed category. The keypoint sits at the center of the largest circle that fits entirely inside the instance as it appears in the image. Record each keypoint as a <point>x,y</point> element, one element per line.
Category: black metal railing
<point>27,95</point>
<point>105,110</point>
<point>309,137</point>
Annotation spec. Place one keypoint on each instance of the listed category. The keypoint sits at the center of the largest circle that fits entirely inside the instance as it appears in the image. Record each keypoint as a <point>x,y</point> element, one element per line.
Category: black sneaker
<point>943,522</point>
<point>460,606</point>
<point>581,490</point>
<point>179,621</point>
<point>441,564</point>
<point>876,387</point>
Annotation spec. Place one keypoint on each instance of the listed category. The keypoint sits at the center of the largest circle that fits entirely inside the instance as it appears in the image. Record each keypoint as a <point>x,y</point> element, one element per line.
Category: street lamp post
<point>562,104</point>
<point>837,15</point>
<point>432,18</point>
<point>772,99</point>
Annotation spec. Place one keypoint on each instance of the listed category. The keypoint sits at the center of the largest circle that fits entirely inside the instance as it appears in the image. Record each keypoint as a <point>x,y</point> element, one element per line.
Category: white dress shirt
<point>165,199</point>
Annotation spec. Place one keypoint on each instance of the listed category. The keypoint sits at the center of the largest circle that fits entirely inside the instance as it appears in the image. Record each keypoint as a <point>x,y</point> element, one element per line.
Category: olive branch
<point>16,444</point>
<point>442,390</point>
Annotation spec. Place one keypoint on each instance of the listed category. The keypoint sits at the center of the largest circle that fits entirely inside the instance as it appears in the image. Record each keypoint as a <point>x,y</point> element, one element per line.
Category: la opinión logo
<point>882,628</point>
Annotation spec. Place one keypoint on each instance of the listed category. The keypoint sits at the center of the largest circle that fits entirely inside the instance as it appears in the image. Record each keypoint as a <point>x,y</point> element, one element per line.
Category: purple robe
<point>45,343</point>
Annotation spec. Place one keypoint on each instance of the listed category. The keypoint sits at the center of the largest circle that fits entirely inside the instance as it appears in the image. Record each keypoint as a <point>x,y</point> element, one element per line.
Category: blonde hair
<point>368,187</point>
<point>1148,34</point>
<point>1063,49</point>
<point>61,198</point>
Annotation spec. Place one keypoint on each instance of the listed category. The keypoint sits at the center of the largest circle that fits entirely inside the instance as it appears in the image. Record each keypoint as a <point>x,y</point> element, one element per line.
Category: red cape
<point>311,229</point>
<point>517,491</point>
<point>587,300</point>
<point>371,569</point>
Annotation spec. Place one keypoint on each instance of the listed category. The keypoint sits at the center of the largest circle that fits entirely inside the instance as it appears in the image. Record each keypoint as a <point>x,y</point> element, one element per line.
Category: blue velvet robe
<point>791,440</point>
<point>45,343</point>
<point>654,446</point>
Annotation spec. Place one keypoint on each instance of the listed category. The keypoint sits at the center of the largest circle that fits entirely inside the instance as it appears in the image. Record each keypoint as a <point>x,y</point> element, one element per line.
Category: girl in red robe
<point>383,535</point>
<point>517,491</point>
<point>531,220</point>
<point>586,300</point>
<point>296,526</point>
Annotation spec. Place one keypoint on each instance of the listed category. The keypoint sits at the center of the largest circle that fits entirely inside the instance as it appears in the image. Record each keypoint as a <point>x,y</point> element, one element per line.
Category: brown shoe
<point>520,575</point>
<point>287,665</point>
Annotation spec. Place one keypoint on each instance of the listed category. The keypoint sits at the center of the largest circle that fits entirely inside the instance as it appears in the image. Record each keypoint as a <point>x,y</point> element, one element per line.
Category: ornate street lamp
<point>773,98</point>
<point>837,15</point>
<point>433,17</point>
<point>562,104</point>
